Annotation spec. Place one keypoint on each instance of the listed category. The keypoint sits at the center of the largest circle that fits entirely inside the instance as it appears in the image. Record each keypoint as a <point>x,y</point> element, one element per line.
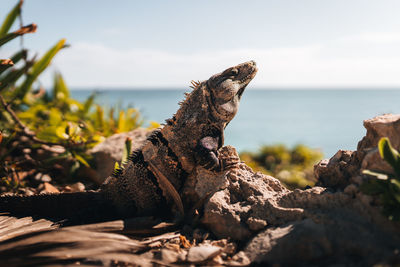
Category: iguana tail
<point>64,208</point>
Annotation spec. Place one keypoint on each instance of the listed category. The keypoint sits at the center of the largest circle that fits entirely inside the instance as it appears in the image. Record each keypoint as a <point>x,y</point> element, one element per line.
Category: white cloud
<point>374,37</point>
<point>368,59</point>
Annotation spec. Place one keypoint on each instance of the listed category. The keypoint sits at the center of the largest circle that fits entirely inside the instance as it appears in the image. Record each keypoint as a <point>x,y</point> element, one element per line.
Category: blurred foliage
<point>118,167</point>
<point>47,132</point>
<point>293,167</point>
<point>386,185</point>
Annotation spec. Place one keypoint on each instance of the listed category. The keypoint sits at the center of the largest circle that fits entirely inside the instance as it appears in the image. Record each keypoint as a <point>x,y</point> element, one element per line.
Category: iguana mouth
<point>244,81</point>
<point>240,92</point>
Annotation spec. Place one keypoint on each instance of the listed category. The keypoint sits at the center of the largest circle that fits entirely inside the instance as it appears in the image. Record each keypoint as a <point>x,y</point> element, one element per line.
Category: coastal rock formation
<point>110,151</point>
<point>331,223</point>
<point>334,223</point>
<point>255,219</point>
<point>337,171</point>
<point>387,125</point>
<point>345,167</point>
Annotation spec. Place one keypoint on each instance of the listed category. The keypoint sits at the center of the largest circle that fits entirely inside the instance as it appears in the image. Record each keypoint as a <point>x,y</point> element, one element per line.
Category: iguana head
<point>226,88</point>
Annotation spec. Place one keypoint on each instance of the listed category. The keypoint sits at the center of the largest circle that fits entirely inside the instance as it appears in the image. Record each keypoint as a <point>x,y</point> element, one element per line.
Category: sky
<point>159,43</point>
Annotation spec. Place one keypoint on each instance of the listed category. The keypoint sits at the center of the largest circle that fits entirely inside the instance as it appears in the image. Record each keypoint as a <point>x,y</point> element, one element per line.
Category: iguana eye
<point>231,73</point>
<point>234,72</point>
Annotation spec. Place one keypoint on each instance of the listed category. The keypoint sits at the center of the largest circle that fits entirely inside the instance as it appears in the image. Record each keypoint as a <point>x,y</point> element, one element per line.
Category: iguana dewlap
<point>153,179</point>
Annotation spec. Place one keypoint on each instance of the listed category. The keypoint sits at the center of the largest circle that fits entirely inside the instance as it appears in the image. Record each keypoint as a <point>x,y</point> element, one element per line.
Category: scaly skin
<point>153,179</point>
<point>191,138</point>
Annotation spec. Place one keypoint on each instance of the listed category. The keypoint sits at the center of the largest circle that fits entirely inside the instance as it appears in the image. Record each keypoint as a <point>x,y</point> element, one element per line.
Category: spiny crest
<point>195,84</point>
<point>135,156</point>
<point>117,172</point>
<point>186,97</point>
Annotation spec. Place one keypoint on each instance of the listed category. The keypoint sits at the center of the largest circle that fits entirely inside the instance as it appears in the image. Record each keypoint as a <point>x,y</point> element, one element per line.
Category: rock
<point>387,125</point>
<point>77,187</point>
<point>340,170</point>
<point>342,240</point>
<point>372,161</point>
<point>48,188</point>
<point>240,259</point>
<point>256,224</point>
<point>46,178</point>
<point>337,171</point>
<point>316,225</point>
<point>248,203</point>
<point>25,192</point>
<point>201,254</point>
<point>110,151</point>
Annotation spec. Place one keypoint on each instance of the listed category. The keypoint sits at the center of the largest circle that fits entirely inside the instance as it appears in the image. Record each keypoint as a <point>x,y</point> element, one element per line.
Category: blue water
<point>324,119</point>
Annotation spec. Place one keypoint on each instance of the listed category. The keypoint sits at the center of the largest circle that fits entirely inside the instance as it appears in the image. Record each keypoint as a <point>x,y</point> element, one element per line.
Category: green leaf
<point>24,30</point>
<point>5,64</point>
<point>19,55</point>
<point>153,125</point>
<point>37,69</point>
<point>380,176</point>
<point>60,132</point>
<point>389,154</point>
<point>50,160</point>
<point>74,167</point>
<point>81,160</point>
<point>116,166</point>
<point>88,103</point>
<point>111,120</point>
<point>11,77</point>
<point>99,116</point>
<point>121,122</point>
<point>55,117</point>
<point>48,134</point>
<point>127,151</point>
<point>9,20</point>
<point>60,89</point>
<point>14,59</point>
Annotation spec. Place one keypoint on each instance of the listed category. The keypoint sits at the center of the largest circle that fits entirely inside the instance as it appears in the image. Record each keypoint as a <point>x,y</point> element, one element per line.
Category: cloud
<point>367,59</point>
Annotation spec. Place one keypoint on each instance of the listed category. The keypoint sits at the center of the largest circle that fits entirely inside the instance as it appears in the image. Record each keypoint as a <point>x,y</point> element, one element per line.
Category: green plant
<point>47,132</point>
<point>386,185</point>
<point>118,167</point>
<point>294,167</point>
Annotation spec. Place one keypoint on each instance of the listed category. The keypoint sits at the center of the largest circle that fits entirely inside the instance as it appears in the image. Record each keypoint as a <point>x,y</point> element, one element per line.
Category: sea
<point>325,119</point>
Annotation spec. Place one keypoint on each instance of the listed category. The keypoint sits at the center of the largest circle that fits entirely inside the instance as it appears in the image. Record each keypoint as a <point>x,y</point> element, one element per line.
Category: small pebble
<point>78,187</point>
<point>46,178</point>
<point>48,188</point>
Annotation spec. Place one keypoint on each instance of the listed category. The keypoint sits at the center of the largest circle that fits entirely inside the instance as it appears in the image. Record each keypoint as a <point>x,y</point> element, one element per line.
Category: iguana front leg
<point>207,153</point>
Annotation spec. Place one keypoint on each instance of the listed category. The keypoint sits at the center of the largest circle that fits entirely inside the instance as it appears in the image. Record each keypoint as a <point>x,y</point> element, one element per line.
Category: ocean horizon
<point>328,119</point>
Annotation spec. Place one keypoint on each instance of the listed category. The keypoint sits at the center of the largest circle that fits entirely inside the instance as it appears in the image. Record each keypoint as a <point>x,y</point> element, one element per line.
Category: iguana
<point>154,177</point>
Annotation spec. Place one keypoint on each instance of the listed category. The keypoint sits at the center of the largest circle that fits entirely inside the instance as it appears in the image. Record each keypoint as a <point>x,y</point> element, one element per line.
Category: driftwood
<point>25,242</point>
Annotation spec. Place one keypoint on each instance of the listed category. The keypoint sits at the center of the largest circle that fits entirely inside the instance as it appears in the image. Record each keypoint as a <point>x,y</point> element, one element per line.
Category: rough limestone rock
<point>337,171</point>
<point>325,225</point>
<point>345,167</point>
<point>335,239</point>
<point>387,125</point>
<point>110,151</point>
